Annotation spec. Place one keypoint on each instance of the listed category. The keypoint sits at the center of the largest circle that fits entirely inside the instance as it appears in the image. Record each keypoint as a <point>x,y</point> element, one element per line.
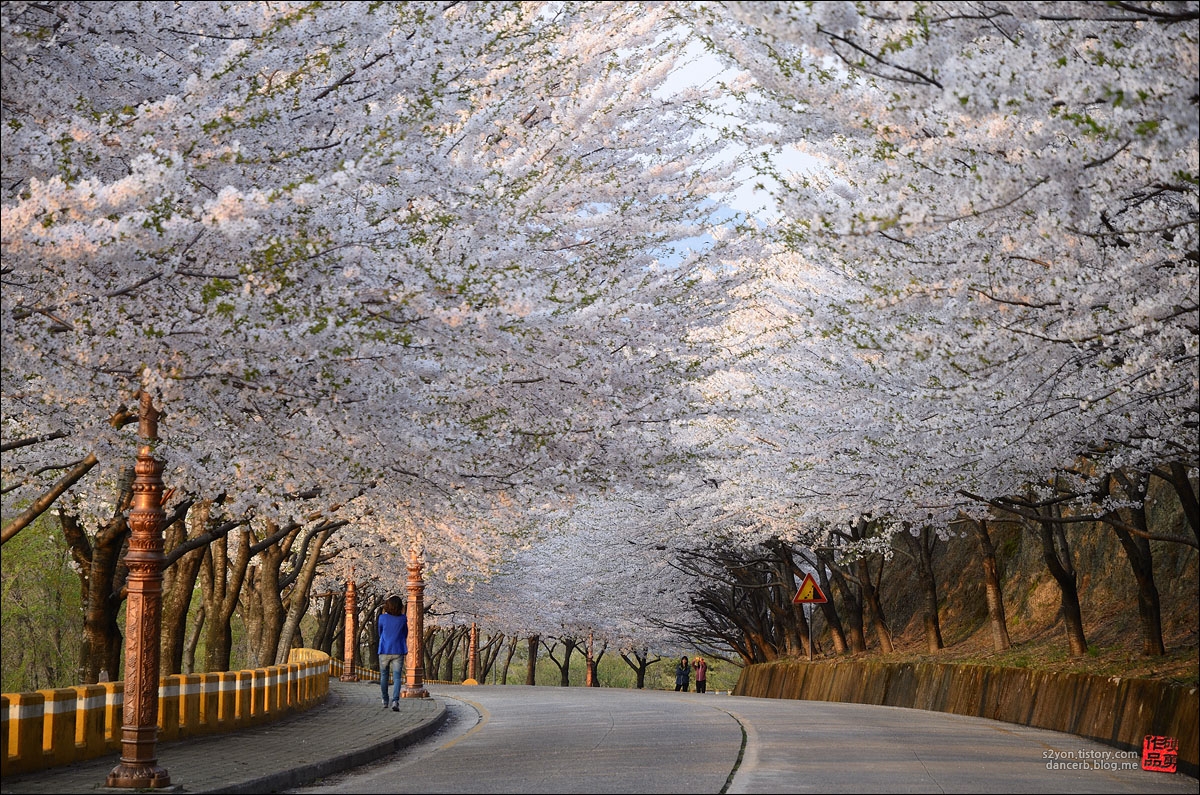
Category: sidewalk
<point>351,728</point>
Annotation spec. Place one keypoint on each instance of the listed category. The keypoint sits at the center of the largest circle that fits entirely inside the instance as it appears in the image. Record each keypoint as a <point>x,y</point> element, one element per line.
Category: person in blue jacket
<point>393,645</point>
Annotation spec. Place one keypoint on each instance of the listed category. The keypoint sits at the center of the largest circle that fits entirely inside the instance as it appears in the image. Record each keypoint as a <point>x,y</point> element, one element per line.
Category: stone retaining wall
<point>1114,711</point>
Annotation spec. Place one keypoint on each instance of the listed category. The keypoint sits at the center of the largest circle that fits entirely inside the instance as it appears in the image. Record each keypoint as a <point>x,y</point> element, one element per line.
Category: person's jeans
<point>395,664</point>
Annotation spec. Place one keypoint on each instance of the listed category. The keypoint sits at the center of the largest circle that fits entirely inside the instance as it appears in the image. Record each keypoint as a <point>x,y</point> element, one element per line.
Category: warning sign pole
<point>808,594</point>
<point>808,620</point>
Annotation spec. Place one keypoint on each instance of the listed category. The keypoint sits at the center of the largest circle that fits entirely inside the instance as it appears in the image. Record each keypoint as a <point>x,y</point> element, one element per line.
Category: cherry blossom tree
<point>1010,195</point>
<point>990,276</point>
<point>404,269</point>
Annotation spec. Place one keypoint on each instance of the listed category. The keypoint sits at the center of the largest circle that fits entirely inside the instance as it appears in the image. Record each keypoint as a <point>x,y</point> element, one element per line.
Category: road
<point>517,739</point>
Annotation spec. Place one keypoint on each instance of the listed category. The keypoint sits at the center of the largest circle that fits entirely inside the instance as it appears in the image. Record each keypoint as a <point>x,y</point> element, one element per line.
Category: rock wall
<point>1117,712</point>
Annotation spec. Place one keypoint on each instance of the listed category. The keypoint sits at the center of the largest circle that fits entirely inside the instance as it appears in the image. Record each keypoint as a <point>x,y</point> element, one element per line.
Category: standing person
<point>393,645</point>
<point>682,672</point>
<point>701,674</point>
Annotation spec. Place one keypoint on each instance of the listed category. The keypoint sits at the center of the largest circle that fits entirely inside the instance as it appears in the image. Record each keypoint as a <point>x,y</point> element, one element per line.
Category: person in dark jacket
<point>682,673</point>
<point>393,645</point>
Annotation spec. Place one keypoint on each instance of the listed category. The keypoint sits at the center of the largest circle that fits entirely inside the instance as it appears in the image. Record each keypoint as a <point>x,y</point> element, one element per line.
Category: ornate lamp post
<point>351,633</point>
<point>414,669</point>
<point>138,768</point>
<point>473,654</point>
<point>590,674</point>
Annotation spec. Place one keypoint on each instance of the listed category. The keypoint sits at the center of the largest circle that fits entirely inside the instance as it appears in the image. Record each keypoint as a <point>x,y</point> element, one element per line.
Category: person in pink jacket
<point>701,669</point>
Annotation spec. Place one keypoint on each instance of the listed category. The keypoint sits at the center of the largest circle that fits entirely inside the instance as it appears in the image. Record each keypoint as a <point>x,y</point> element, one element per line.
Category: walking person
<point>682,673</point>
<point>701,674</point>
<point>393,645</point>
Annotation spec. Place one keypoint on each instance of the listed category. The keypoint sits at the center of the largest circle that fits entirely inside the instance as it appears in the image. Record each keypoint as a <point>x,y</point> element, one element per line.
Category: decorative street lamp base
<point>138,776</point>
<point>414,692</point>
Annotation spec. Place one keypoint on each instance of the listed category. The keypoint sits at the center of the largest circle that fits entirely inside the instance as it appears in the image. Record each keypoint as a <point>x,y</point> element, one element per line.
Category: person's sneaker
<point>395,706</point>
<point>385,703</point>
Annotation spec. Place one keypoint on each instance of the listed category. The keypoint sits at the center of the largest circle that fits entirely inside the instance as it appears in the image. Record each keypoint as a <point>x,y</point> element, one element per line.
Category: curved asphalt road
<point>517,739</point>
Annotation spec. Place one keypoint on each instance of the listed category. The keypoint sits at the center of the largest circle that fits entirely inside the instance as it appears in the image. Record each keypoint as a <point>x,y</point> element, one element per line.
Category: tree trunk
<point>874,605</point>
<point>1177,476</point>
<point>531,671</point>
<point>179,586</point>
<point>330,619</point>
<point>262,600</point>
<point>1141,561</point>
<point>488,652</point>
<point>793,627</point>
<point>221,582</point>
<point>991,582</point>
<point>510,652</point>
<point>594,665</point>
<point>923,545</point>
<point>189,650</point>
<point>564,667</point>
<point>803,643</point>
<point>426,646</point>
<point>98,561</point>
<point>836,633</point>
<point>1056,552</point>
<point>366,631</point>
<point>852,604</point>
<point>640,663</point>
<point>301,585</point>
<point>448,662</point>
<point>436,654</point>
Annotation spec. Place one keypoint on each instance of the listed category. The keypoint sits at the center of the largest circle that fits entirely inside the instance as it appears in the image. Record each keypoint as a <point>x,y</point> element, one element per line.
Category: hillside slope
<point>1032,602</point>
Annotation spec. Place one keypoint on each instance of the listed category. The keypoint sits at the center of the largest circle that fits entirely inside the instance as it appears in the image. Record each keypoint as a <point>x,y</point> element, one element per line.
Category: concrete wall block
<point>168,707</point>
<point>4,729</point>
<point>26,715</point>
<point>260,700</point>
<point>58,726</point>
<point>189,706</point>
<point>114,714</point>
<point>210,704</point>
<point>227,702</point>
<point>249,695</point>
<point>91,703</point>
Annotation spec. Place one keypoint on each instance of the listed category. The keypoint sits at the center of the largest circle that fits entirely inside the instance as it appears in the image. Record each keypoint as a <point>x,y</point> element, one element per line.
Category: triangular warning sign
<point>809,591</point>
